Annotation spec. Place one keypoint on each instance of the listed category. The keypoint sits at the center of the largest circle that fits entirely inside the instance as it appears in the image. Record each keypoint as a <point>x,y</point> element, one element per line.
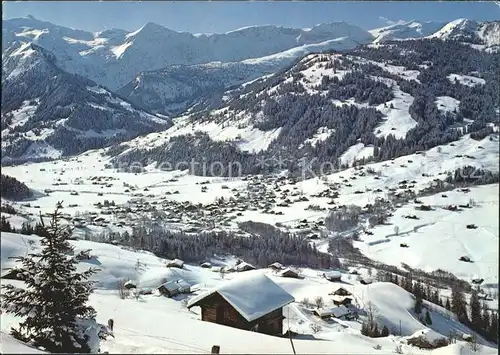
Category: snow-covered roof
<point>253,295</point>
<point>176,262</point>
<point>289,269</point>
<point>244,266</point>
<point>174,285</point>
<point>276,265</point>
<point>333,274</point>
<point>338,298</point>
<point>337,312</point>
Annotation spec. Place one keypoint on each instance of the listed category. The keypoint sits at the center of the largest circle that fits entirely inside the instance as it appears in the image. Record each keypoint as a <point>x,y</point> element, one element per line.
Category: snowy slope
<point>484,35</point>
<point>424,244</point>
<point>145,325</point>
<point>47,112</point>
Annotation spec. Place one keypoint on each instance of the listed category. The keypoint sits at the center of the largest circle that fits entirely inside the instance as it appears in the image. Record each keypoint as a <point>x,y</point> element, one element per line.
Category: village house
<point>244,266</point>
<point>276,266</point>
<point>176,263</point>
<point>340,312</point>
<point>289,272</point>
<point>341,297</point>
<point>174,287</point>
<point>332,275</point>
<point>252,302</point>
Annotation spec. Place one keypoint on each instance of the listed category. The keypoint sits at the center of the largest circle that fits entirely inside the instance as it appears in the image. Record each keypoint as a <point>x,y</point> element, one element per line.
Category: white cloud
<point>391,22</point>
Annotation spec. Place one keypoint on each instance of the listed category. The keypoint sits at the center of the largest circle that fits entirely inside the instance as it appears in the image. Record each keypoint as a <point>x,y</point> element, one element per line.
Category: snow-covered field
<point>155,324</point>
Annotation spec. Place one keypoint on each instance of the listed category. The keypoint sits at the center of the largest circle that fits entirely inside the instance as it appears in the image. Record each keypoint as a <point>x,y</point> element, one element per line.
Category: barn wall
<point>231,317</point>
<point>271,323</point>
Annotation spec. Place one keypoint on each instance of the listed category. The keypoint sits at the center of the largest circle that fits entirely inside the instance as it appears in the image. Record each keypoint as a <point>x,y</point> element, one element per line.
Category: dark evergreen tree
<point>385,331</point>
<point>418,305</point>
<point>447,304</point>
<point>5,225</point>
<point>458,304</point>
<point>475,310</point>
<point>493,329</point>
<point>54,302</point>
<point>428,319</point>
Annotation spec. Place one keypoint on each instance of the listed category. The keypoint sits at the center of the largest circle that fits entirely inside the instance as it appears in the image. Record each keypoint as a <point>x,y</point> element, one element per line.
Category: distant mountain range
<point>67,90</point>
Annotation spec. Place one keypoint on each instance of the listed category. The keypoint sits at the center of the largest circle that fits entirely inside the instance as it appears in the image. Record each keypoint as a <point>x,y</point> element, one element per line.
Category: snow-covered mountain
<point>174,88</point>
<point>374,102</point>
<point>485,35</point>
<point>410,29</point>
<point>47,112</point>
<point>114,57</point>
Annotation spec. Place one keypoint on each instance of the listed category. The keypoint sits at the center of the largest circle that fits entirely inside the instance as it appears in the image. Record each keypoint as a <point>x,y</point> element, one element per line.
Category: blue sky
<point>222,16</point>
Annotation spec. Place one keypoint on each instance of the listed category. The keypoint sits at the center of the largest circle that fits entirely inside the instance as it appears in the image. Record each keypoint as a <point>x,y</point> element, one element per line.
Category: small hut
<point>244,266</point>
<point>340,312</point>
<point>176,263</point>
<point>174,287</point>
<point>332,275</point>
<point>276,266</point>
<point>340,292</point>
<point>129,285</point>
<point>289,272</point>
<point>366,281</point>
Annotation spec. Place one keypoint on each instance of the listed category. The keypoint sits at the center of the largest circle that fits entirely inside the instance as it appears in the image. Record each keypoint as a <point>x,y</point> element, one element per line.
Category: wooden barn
<point>252,302</point>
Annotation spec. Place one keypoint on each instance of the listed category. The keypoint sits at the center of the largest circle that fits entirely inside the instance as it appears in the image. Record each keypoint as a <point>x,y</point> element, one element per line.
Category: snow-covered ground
<point>441,230</point>
<point>397,118</point>
<point>155,324</point>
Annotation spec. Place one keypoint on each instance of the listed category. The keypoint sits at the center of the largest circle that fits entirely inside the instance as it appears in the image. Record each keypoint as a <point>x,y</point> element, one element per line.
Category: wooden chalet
<point>252,302</point>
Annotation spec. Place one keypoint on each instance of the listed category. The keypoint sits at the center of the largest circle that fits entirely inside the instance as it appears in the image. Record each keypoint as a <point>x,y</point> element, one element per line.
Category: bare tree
<point>371,313</point>
<point>473,344</point>
<point>319,302</point>
<point>305,302</point>
<point>123,292</point>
